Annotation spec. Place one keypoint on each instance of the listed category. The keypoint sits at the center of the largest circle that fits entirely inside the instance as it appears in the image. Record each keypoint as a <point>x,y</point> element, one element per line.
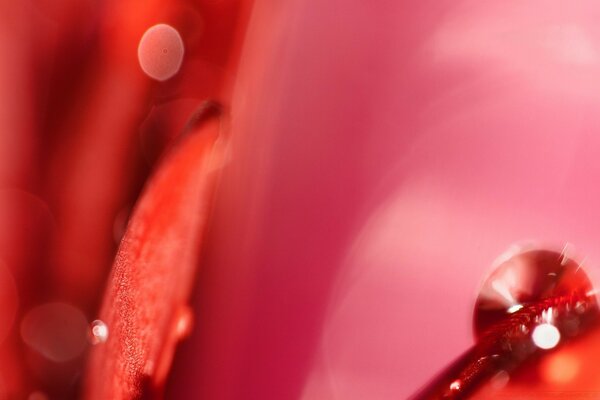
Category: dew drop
<point>160,52</point>
<point>99,332</point>
<point>184,322</point>
<point>523,278</point>
<point>455,385</point>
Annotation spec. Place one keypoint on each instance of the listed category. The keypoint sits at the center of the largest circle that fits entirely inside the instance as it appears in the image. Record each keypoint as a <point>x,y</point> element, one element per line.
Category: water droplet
<point>455,385</point>
<point>99,332</point>
<point>523,278</point>
<point>184,323</point>
<point>160,52</point>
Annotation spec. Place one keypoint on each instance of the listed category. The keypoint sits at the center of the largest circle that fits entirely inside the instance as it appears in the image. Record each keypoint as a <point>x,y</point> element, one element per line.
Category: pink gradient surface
<point>384,154</point>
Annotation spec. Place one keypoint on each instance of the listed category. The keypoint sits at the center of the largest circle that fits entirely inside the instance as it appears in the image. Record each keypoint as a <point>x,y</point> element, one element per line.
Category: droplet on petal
<point>525,278</point>
<point>55,330</point>
<point>534,300</point>
<point>183,325</point>
<point>455,386</point>
<point>160,52</point>
<point>99,332</point>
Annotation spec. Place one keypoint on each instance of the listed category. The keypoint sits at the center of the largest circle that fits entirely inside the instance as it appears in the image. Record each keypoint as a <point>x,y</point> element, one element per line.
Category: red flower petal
<point>145,303</point>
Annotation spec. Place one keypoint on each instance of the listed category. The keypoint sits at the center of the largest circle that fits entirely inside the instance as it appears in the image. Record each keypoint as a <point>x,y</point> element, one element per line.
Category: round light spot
<point>99,331</point>
<point>545,336</point>
<point>160,52</point>
<point>455,385</point>
<point>56,330</point>
<point>560,368</point>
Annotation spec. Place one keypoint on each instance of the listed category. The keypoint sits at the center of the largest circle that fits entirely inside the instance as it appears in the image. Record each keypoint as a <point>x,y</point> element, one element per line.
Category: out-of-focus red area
<point>380,155</point>
<point>81,128</point>
<point>153,276</point>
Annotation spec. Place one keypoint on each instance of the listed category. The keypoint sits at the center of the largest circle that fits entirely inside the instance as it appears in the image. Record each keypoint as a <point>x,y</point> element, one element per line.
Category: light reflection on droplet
<point>514,309</point>
<point>160,52</point>
<point>99,332</point>
<point>56,330</point>
<point>545,336</point>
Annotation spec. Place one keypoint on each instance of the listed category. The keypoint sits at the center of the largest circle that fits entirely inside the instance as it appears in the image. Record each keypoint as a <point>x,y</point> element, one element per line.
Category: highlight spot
<point>545,336</point>
<point>99,332</point>
<point>160,52</point>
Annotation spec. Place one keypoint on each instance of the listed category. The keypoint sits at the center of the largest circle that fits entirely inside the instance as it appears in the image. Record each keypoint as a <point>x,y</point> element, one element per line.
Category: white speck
<point>455,385</point>
<point>545,336</point>
<point>99,332</point>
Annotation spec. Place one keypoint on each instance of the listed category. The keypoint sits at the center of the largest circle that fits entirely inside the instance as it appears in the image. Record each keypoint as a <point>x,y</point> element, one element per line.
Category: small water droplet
<point>455,386</point>
<point>184,322</point>
<point>99,332</point>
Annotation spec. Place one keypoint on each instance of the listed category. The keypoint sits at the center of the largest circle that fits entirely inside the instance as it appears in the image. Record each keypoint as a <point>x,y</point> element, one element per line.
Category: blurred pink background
<point>385,153</point>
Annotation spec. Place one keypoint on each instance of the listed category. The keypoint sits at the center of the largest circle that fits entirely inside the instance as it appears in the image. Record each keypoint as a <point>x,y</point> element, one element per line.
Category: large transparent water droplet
<point>527,277</point>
